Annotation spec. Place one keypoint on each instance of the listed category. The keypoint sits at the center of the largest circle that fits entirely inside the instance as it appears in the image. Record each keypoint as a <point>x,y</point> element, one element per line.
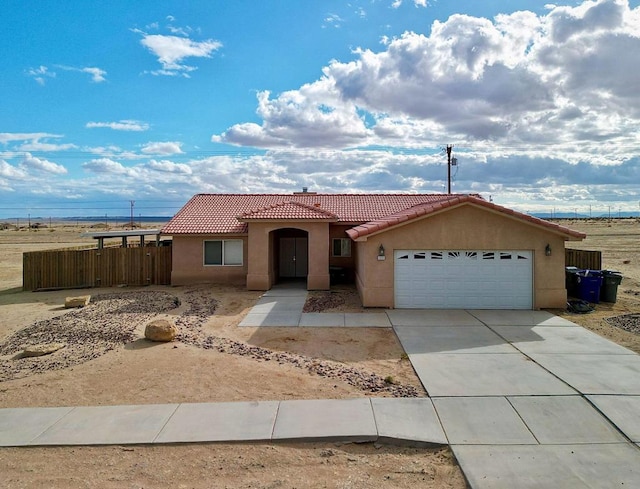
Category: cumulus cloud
<point>169,167</point>
<point>106,165</point>
<point>162,148</point>
<point>519,80</point>
<point>10,171</point>
<point>121,125</point>
<point>172,50</point>
<point>313,116</point>
<point>31,162</point>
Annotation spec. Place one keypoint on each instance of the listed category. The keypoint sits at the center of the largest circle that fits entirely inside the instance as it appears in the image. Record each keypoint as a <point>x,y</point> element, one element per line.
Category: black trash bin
<point>610,282</point>
<point>571,280</point>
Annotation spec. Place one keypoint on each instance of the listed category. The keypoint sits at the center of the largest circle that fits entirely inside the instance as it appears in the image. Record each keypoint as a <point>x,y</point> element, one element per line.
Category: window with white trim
<point>227,252</point>
<point>341,247</point>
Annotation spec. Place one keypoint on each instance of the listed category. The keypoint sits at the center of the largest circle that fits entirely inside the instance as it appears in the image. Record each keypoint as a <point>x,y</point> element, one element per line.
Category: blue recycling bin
<point>588,285</point>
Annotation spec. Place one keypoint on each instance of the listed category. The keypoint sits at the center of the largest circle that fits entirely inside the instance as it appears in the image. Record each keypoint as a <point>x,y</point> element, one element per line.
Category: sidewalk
<point>409,422</point>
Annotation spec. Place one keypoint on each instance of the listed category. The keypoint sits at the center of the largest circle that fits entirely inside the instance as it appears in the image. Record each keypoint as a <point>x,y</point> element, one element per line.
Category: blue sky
<point>153,101</point>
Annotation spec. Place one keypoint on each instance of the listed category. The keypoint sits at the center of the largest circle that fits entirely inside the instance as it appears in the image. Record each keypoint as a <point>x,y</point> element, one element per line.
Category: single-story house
<point>402,250</point>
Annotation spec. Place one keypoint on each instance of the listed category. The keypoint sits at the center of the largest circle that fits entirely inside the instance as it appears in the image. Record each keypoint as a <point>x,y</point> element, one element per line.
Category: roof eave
<point>566,233</point>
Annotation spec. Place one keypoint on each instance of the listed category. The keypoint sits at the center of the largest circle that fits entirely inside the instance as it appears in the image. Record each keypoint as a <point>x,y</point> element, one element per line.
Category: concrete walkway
<point>525,399</point>
<point>282,307</point>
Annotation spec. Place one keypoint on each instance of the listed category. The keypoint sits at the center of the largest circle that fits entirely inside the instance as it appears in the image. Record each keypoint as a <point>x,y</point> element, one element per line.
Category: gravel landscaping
<point>628,322</point>
<point>110,321</point>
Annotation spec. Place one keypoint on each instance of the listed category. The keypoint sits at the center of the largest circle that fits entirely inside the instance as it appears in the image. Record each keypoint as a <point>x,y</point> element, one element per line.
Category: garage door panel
<point>463,279</point>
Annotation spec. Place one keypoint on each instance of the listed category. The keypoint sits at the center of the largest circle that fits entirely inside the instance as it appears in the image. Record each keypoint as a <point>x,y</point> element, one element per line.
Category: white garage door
<point>446,279</point>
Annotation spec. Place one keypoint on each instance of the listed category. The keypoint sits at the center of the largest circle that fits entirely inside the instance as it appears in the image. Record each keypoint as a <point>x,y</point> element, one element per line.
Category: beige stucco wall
<point>261,273</point>
<point>188,262</point>
<point>464,228</point>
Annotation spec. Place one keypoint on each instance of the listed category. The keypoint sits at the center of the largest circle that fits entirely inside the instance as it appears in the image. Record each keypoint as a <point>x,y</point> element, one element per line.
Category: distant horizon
<point>123,220</point>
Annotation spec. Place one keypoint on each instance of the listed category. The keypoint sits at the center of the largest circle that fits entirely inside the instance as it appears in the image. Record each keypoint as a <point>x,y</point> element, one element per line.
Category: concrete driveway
<point>527,399</point>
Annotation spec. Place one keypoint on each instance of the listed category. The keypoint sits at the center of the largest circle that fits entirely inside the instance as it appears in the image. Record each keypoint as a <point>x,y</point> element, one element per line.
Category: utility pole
<point>449,148</point>
<point>132,202</point>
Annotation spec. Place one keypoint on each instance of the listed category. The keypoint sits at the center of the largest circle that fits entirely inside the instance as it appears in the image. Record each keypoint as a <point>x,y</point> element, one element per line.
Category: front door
<point>293,257</point>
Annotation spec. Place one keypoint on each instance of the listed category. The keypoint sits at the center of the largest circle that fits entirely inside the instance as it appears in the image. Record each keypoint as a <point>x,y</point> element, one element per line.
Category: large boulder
<point>160,330</point>
<point>80,301</point>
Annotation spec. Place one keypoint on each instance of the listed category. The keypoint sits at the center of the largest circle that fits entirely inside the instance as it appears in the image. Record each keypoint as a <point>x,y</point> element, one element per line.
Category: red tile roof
<point>448,202</point>
<point>218,213</point>
<point>369,213</point>
<point>289,210</point>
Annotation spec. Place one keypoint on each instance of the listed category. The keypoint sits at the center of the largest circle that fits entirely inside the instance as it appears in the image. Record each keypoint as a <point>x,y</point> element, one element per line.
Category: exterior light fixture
<point>547,250</point>
<point>381,255</point>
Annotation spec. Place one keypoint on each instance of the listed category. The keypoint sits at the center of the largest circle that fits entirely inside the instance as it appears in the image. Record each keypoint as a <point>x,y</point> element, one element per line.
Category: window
<point>223,252</point>
<point>341,247</point>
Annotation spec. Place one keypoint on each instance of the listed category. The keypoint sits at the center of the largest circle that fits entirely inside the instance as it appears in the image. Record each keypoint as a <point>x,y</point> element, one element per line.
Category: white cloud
<point>518,81</point>
<point>37,145</point>
<point>417,3</point>
<point>7,137</point>
<point>112,152</point>
<point>172,50</point>
<point>162,148</point>
<point>31,162</point>
<point>122,125</point>
<point>10,171</point>
<point>97,75</point>
<point>169,167</point>
<point>106,165</point>
<point>313,116</point>
<point>333,20</point>
<point>32,142</point>
<point>40,74</point>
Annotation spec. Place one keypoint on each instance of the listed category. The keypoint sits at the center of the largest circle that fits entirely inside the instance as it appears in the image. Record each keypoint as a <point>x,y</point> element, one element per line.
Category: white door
<point>450,279</point>
<point>293,257</point>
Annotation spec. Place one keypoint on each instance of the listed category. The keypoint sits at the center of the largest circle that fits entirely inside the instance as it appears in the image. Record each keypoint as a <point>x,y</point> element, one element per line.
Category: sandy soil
<point>213,360</point>
<point>619,240</point>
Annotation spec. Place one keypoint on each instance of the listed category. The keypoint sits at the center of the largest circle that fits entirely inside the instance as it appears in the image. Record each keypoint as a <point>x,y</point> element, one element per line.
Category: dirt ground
<point>213,360</point>
<point>619,241</point>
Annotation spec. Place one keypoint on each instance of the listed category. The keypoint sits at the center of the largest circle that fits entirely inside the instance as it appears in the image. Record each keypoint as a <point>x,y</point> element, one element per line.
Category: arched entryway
<point>291,254</point>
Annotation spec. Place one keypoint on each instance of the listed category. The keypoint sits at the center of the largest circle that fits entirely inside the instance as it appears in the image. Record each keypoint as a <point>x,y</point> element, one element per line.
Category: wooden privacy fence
<point>67,269</point>
<point>585,260</point>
